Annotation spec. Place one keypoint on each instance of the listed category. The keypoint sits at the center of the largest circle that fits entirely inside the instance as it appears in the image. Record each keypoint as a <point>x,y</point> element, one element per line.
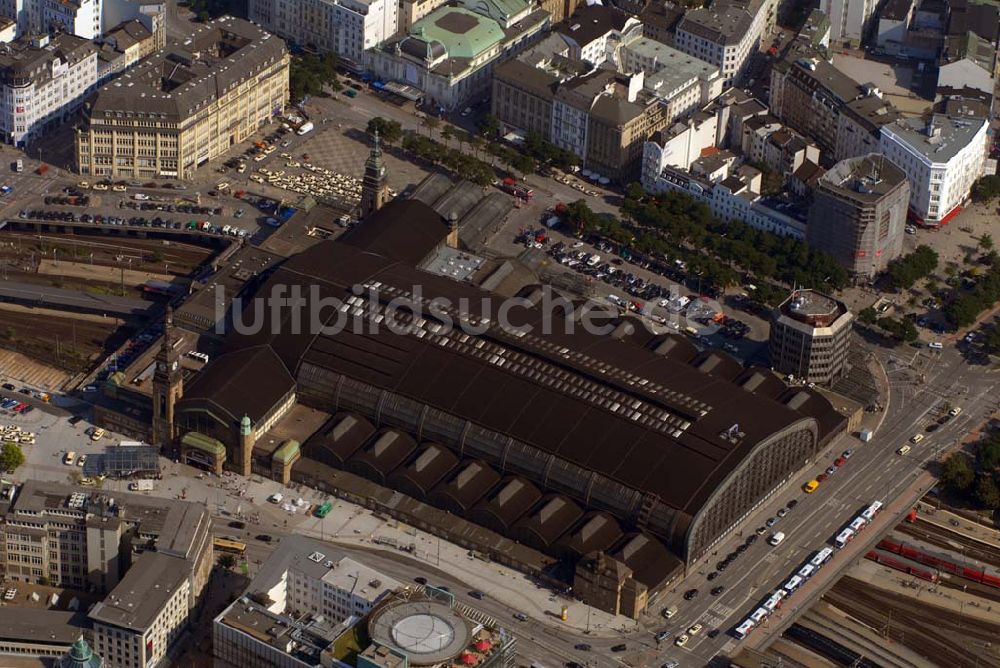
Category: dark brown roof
<point>651,563</point>
<point>551,518</point>
<point>340,437</point>
<point>596,532</point>
<point>682,469</point>
<point>506,504</point>
<point>382,455</point>
<point>423,231</point>
<point>249,382</point>
<point>591,22</point>
<point>465,487</point>
<point>426,469</point>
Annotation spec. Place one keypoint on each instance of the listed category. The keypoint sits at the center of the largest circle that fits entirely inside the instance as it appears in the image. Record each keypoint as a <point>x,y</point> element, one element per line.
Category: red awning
<point>483,646</point>
<point>951,214</point>
<point>508,181</point>
<point>469,659</point>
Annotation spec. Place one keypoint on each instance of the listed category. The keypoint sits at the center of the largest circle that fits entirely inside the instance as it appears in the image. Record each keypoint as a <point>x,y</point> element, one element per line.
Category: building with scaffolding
<point>858,214</point>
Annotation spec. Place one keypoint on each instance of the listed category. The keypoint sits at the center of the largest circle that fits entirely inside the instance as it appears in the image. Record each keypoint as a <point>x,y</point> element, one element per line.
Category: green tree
<point>431,123</point>
<point>986,492</point>
<point>957,474</point>
<point>309,74</point>
<point>476,143</point>
<point>489,126</point>
<point>868,316</point>
<point>524,164</point>
<point>988,455</point>
<point>11,457</point>
<point>986,243</point>
<point>992,339</point>
<point>905,271</point>
<point>986,189</point>
<point>227,561</point>
<point>388,131</point>
<point>447,134</point>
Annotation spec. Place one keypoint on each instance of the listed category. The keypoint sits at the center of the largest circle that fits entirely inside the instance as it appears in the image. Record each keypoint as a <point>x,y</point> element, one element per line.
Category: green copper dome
<point>81,656</point>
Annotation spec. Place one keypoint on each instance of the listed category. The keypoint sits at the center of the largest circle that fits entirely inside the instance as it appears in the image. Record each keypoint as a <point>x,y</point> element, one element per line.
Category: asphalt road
<point>874,472</point>
<point>536,642</point>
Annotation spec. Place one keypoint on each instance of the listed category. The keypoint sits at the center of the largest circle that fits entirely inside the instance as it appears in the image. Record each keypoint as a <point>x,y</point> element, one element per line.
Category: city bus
<point>871,511</point>
<point>323,510</point>
<point>230,546</point>
<point>843,538</point>
<point>821,557</point>
<point>744,629</point>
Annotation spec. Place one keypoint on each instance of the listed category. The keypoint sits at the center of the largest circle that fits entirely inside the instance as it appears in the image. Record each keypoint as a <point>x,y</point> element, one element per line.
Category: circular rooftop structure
<point>426,631</point>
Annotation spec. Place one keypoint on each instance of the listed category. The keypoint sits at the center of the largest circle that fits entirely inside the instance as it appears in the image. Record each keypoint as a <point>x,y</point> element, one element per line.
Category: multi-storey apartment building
<point>345,27</point>
<point>815,98</point>
<point>185,105</point>
<point>43,80</point>
<point>305,602</point>
<point>603,116</point>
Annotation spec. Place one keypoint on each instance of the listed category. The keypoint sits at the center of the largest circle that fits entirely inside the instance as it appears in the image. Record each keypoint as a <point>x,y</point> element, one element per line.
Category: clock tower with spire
<point>374,188</point>
<point>168,385</point>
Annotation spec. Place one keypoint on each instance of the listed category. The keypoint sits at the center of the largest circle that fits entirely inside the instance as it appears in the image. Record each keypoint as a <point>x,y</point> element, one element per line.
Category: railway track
<point>938,635</point>
<point>950,540</point>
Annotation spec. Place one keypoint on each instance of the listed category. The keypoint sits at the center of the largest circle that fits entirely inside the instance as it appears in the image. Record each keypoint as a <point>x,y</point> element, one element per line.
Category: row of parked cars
<point>593,265</point>
<point>15,406</point>
<point>172,208</point>
<point>134,221</point>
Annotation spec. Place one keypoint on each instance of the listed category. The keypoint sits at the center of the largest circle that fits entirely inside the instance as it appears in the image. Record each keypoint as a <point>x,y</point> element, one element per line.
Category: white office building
<point>849,19</point>
<point>345,27</point>
<point>725,34</point>
<point>303,578</point>
<point>45,80</point>
<point>941,157</point>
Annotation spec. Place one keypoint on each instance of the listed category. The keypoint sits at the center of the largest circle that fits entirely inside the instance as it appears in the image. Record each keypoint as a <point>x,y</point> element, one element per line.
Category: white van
<point>936,345</point>
<point>776,539</point>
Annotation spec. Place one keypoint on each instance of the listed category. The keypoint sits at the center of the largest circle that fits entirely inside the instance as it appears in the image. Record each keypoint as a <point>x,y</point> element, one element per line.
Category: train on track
<point>938,561</point>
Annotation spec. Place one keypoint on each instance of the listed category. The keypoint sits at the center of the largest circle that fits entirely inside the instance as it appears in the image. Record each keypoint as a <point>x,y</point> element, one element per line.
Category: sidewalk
<point>349,524</point>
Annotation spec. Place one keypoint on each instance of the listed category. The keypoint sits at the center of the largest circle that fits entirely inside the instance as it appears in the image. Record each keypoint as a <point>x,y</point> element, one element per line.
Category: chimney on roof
<point>452,239</point>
